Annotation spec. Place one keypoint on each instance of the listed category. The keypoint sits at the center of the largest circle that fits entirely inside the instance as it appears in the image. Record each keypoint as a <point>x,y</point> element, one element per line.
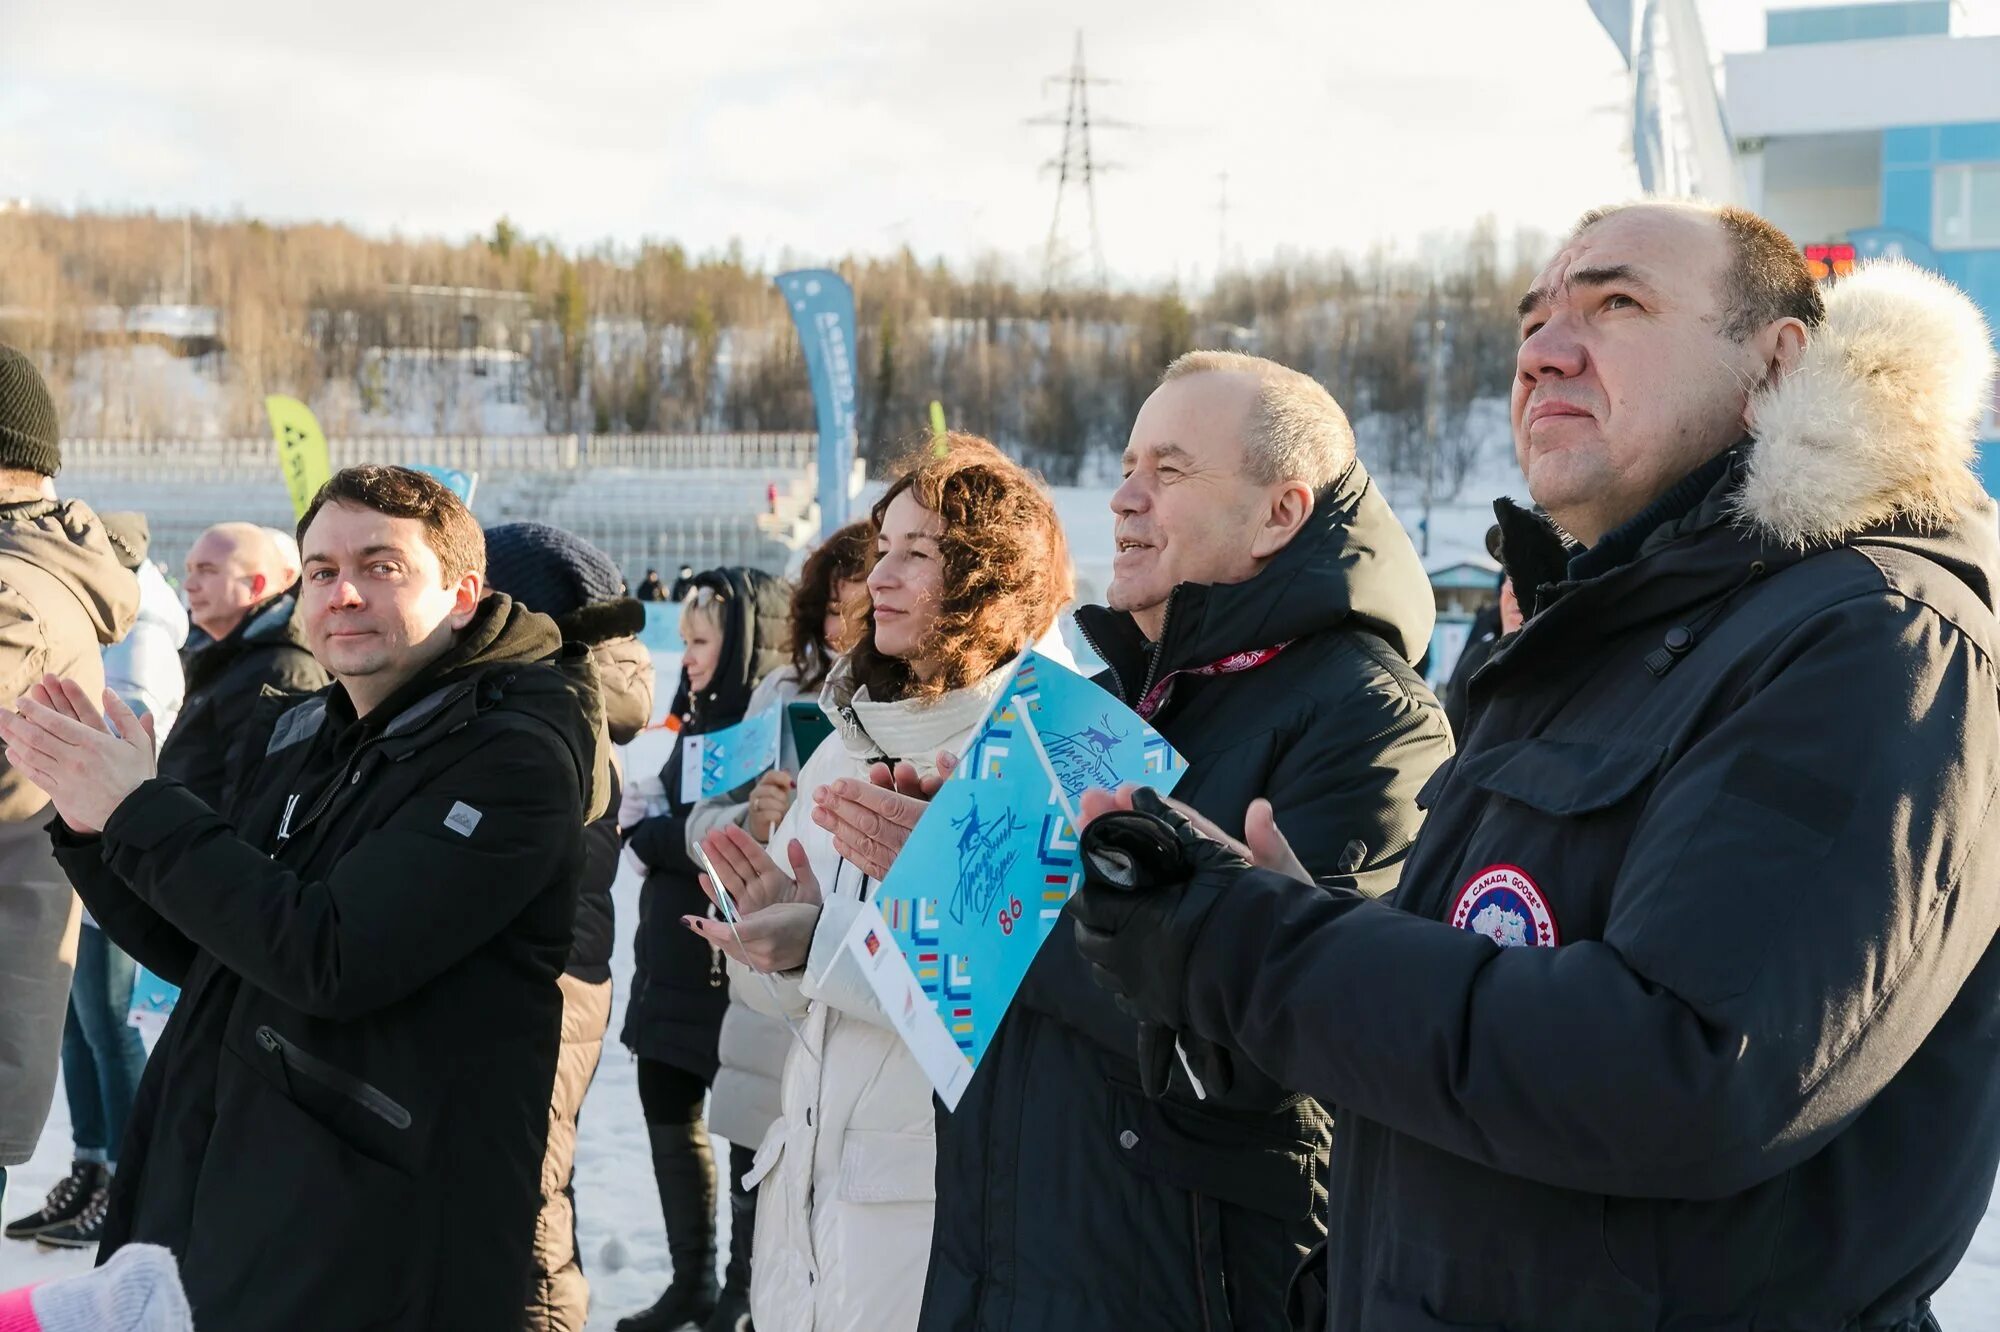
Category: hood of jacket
<point>65,539</point>
<point>1350,567</point>
<point>610,630</point>
<point>756,635</point>
<point>913,729</point>
<point>1875,431</point>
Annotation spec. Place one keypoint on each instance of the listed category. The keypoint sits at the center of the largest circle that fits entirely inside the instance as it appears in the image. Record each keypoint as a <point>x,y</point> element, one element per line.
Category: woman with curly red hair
<point>970,568</point>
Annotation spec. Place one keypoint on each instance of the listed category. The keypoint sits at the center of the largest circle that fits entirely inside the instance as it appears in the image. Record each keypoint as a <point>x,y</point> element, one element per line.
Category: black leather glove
<point>1149,882</point>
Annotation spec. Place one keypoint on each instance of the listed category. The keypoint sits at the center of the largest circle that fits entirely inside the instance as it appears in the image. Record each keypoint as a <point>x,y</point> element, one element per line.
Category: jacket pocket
<point>336,1080</point>
<point>1420,1290</point>
<point>361,1255</point>
<point>1433,787</point>
<point>1547,846</point>
<point>1563,778</point>
<point>1243,1160</point>
<point>877,1166</point>
<point>1763,829</point>
<point>366,1117</point>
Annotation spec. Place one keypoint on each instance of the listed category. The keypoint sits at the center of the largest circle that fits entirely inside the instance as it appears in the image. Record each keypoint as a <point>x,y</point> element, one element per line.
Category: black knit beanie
<point>549,570</point>
<point>28,435</point>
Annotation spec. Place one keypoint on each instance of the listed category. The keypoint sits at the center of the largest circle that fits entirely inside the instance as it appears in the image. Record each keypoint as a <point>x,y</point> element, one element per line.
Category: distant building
<point>467,319</point>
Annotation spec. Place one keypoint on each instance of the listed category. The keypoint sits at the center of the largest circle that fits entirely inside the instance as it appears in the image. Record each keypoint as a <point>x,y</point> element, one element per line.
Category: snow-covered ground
<point>621,1237</point>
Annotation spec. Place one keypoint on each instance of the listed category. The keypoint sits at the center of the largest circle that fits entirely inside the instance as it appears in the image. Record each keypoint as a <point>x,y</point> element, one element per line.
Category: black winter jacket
<point>205,750</point>
<point>343,1123</point>
<point>680,989</point>
<point>1066,1199</point>
<point>1686,1014</point>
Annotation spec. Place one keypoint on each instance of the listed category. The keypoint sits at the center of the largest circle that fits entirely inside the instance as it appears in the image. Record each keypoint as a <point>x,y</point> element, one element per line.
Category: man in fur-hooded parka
<point>1686,1012</point>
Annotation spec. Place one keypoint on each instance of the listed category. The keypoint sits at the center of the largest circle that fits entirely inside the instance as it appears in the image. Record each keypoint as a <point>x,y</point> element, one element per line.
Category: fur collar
<point>1878,421</point>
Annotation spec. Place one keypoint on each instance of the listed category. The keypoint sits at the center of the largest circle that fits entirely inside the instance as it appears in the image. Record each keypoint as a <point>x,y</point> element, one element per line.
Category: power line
<point>1077,165</point>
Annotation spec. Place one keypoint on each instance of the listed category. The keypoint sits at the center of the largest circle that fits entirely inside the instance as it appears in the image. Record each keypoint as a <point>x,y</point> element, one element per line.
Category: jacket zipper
<point>1200,1258</point>
<point>368,1097</point>
<point>1091,642</point>
<point>1159,652</point>
<point>347,776</point>
<point>288,830</point>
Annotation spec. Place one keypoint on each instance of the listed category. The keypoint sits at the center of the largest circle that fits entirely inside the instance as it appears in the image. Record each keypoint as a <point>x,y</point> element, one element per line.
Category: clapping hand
<point>1262,845</point>
<point>776,913</point>
<point>870,821</point>
<point>770,799</point>
<point>62,744</point>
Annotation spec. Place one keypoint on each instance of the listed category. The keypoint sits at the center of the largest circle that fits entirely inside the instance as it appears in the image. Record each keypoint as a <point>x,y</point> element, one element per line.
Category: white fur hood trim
<point>1878,420</point>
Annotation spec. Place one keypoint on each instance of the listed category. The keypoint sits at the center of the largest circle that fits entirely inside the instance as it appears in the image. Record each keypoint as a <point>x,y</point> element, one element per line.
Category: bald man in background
<point>287,547</point>
<point>241,597</point>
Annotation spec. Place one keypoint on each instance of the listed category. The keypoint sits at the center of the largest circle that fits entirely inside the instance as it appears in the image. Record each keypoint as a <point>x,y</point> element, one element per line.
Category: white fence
<point>790,451</point>
<point>649,501</point>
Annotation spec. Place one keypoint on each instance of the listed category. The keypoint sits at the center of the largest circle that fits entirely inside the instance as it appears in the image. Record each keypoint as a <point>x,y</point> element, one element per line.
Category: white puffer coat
<point>846,1176</point>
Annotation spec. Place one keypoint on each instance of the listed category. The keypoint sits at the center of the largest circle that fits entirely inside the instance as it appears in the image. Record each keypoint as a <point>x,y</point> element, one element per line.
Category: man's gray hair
<point>1297,430</point>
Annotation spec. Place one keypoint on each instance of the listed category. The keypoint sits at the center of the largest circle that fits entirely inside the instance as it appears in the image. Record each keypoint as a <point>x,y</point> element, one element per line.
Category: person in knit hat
<point>64,596</point>
<point>574,583</point>
<point>102,1054</point>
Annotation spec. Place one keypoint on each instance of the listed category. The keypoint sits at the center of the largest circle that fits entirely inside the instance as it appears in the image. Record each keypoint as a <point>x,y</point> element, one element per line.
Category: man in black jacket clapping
<point>343,1124</point>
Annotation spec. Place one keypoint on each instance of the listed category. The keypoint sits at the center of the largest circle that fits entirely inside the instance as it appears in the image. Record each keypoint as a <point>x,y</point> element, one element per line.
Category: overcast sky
<point>809,129</point>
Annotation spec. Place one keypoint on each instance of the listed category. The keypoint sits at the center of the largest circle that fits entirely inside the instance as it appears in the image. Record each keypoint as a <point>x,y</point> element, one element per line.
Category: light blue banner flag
<point>984,876</point>
<point>720,761</point>
<point>822,305</point>
<point>1089,738</point>
<point>461,484</point>
<point>974,892</point>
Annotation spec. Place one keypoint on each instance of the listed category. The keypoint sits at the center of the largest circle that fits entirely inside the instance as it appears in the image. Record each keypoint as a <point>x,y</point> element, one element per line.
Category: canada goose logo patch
<point>1503,904</point>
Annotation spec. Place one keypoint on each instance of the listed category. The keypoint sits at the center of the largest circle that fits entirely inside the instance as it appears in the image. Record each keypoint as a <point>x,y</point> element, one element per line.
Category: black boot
<point>85,1228</point>
<point>684,1168</point>
<point>732,1311</point>
<point>65,1202</point>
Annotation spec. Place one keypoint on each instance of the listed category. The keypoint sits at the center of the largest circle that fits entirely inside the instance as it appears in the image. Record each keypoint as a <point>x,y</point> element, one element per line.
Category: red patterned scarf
<point>1229,665</point>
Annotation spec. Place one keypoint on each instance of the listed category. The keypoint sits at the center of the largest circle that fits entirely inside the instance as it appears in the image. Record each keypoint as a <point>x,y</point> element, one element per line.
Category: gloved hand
<point>1150,880</point>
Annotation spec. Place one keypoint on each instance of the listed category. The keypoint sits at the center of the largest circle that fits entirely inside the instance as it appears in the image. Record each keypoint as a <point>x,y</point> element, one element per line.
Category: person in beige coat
<point>970,567</point>
<point>64,597</point>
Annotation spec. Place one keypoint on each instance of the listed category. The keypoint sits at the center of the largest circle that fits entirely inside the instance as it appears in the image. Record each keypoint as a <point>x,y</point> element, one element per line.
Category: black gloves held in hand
<point>1150,881</point>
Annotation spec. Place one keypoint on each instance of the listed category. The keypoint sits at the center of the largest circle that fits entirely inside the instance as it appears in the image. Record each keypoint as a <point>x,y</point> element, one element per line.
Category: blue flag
<point>720,761</point>
<point>984,876</point>
<point>1090,739</point>
<point>822,305</point>
<point>974,892</point>
<point>459,483</point>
